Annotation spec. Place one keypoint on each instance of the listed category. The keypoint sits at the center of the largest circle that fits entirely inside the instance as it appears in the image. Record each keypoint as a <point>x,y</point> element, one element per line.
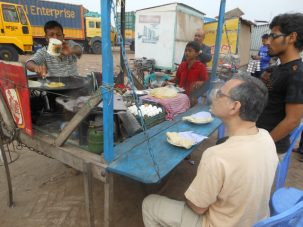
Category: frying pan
<point>71,83</point>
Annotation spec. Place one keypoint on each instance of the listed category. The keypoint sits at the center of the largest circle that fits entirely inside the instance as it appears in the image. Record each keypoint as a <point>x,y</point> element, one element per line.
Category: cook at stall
<point>45,63</point>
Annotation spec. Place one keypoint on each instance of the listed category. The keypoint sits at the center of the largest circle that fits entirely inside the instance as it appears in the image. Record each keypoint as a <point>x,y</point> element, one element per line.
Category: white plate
<point>198,122</point>
<point>199,118</point>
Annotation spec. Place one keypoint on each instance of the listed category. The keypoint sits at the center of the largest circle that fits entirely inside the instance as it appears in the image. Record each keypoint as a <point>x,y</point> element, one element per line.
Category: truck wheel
<point>96,47</point>
<point>8,53</point>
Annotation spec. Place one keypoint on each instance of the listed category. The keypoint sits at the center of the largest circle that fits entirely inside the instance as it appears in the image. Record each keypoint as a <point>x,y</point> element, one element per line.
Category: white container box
<point>161,32</point>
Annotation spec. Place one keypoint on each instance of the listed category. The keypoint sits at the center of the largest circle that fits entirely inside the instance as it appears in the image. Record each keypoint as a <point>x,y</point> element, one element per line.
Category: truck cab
<point>15,32</point>
<point>93,34</point>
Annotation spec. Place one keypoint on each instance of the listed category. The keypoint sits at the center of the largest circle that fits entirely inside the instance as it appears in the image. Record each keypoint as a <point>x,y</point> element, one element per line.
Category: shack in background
<point>163,31</point>
<point>236,38</point>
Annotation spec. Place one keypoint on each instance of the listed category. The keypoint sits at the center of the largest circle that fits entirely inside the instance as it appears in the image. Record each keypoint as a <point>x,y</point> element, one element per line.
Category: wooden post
<point>108,200</point>
<point>88,193</point>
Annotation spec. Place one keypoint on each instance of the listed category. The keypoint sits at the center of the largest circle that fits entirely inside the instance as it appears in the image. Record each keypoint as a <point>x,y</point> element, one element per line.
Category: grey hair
<point>252,94</point>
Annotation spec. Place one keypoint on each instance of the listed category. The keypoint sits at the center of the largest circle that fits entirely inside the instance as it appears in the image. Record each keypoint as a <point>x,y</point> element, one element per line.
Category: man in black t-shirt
<point>284,109</point>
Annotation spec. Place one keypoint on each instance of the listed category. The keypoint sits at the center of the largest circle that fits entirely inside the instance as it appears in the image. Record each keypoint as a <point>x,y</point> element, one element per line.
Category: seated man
<point>234,179</point>
<point>65,65</point>
<point>191,73</point>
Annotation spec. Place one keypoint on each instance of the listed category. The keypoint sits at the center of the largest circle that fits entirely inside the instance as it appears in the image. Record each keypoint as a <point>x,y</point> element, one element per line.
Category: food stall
<point>146,156</point>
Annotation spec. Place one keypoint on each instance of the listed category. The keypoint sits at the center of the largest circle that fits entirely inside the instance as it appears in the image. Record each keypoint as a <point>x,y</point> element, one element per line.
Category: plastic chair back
<point>285,198</point>
<point>292,217</point>
<point>283,165</point>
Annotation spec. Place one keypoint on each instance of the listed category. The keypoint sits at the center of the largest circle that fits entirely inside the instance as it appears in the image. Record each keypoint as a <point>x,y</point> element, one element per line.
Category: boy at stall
<point>191,74</point>
<point>43,63</point>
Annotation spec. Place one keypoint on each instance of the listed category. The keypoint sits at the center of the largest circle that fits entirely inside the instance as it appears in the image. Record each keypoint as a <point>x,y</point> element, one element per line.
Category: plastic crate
<point>155,120</point>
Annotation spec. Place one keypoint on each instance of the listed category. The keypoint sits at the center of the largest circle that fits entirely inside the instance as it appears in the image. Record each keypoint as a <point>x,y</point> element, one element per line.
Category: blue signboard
<point>39,12</point>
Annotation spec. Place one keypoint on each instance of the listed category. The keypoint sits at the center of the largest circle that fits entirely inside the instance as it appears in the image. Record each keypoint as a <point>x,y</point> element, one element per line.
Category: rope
<point>135,97</point>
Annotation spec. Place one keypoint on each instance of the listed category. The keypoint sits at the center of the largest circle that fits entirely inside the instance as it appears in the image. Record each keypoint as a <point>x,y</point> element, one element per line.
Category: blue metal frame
<point>107,81</point>
<point>218,40</point>
<point>108,78</point>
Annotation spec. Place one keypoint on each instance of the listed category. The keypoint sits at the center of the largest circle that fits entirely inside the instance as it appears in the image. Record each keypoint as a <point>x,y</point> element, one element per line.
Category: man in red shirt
<point>191,73</point>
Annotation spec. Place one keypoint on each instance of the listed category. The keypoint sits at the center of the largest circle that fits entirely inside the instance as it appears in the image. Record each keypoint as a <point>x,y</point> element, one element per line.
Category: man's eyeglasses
<point>275,36</point>
<point>220,94</point>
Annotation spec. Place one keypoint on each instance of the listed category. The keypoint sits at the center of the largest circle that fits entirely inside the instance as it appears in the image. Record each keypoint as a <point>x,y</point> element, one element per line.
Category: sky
<point>253,9</point>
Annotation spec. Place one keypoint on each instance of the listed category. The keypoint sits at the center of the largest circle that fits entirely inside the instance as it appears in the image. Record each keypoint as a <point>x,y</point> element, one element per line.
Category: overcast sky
<point>253,9</point>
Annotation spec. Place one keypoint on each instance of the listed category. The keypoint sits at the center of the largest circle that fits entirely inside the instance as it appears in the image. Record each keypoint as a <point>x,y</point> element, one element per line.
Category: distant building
<point>256,34</point>
<point>236,36</point>
<point>234,13</point>
<point>209,19</point>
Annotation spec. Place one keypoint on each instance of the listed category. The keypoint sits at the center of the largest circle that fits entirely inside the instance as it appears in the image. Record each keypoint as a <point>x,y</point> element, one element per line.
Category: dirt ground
<point>92,63</point>
<point>48,193</point>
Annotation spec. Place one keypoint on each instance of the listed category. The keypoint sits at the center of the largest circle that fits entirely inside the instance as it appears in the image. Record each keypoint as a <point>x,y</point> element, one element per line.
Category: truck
<point>130,19</point>
<point>78,27</point>
<point>15,32</point>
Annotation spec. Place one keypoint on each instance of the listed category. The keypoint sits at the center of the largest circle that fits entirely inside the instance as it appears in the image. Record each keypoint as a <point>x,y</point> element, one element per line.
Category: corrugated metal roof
<point>208,19</point>
<point>234,13</point>
<point>257,32</point>
<point>248,22</point>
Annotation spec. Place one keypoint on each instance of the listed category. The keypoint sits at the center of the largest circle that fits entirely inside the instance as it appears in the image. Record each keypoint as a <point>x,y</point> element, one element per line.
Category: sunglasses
<point>275,36</point>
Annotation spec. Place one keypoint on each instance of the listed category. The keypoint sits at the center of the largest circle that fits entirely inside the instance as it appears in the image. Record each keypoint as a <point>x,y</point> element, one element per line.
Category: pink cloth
<point>172,106</point>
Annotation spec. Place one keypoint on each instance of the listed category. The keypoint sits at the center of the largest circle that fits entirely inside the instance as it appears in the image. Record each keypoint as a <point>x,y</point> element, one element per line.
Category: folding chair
<point>285,198</point>
<point>292,217</point>
<point>282,168</point>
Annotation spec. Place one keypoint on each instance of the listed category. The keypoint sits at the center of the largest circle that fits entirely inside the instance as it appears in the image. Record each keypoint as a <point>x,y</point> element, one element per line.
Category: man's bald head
<point>199,36</point>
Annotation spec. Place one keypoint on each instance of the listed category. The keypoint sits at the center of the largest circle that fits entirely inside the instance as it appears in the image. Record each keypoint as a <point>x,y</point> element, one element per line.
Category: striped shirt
<point>57,66</point>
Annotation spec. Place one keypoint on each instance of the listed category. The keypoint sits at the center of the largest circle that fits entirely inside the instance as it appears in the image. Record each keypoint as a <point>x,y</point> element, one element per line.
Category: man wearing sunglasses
<point>284,109</point>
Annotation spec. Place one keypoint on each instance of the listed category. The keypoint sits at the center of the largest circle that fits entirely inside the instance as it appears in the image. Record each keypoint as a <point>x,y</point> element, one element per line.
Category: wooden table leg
<point>88,190</point>
<point>108,200</point>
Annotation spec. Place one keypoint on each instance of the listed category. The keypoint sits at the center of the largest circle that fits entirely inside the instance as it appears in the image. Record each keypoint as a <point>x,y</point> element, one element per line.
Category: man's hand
<point>294,114</point>
<point>197,84</point>
<point>41,70</point>
<point>66,49</point>
<point>196,209</point>
<point>255,57</point>
<point>265,76</point>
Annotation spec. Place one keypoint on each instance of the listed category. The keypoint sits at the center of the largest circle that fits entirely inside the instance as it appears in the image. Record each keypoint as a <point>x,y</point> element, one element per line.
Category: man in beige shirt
<point>234,179</point>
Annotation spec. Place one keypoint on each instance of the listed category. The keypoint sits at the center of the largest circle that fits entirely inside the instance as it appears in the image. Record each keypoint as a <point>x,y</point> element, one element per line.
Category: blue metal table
<point>132,158</point>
